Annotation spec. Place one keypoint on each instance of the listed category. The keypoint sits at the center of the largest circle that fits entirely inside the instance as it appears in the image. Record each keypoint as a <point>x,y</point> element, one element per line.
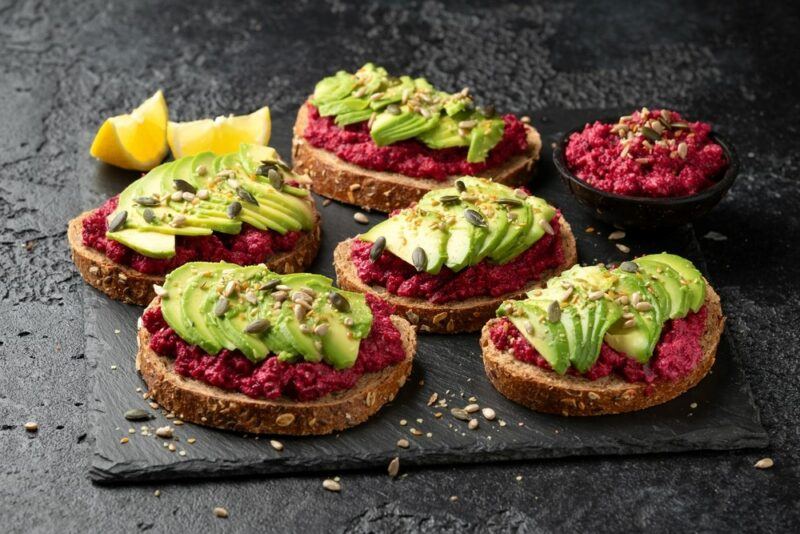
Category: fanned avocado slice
<point>516,229</point>
<point>671,280</point>
<point>638,341</point>
<point>153,244</point>
<point>333,88</point>
<point>407,231</point>
<point>345,105</point>
<point>353,117</point>
<point>483,138</point>
<point>388,128</point>
<point>689,274</point>
<point>445,134</point>
<point>540,211</point>
<point>548,338</point>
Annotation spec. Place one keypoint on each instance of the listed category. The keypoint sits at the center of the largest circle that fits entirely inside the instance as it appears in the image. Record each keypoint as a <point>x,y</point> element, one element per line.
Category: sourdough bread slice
<point>128,285</point>
<point>545,391</point>
<point>197,402</point>
<point>335,178</point>
<point>451,317</point>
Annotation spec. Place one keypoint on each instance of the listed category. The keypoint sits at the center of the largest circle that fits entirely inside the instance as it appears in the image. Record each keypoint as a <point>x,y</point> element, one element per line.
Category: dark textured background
<point>66,64</point>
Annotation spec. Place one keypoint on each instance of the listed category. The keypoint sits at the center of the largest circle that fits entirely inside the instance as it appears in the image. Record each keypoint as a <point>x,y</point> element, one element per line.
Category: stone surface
<point>64,65</point>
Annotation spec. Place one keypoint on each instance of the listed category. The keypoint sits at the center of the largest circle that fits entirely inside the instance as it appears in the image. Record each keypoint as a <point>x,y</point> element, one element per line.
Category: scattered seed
<point>272,284</point>
<point>623,248</point>
<point>331,485</point>
<point>432,399</point>
<point>683,150</point>
<point>275,444</point>
<point>148,215</point>
<point>596,295</point>
<point>178,221</point>
<point>377,248</point>
<point>257,326</point>
<point>234,209</point>
<point>630,323</point>
<point>471,408</point>
<point>203,194</point>
<point>339,302</point>
<point>617,234</point>
<point>184,186</point>
<point>403,443</point>
<point>177,196</point>
<point>467,124</point>
<point>124,440</point>
<point>473,424</point>
<point>419,258</point>
<point>191,441</point>
<point>643,306</point>
<point>475,218</point>
<point>187,196</point>
<point>322,329</point>
<point>360,218</point>
<point>764,463</point>
<point>515,202</point>
<point>449,200</point>
<point>546,225</point>
<point>137,414</point>
<point>554,312</point>
<point>229,289</point>
<point>221,307</point>
<point>415,432</point>
<point>460,186</point>
<point>233,183</point>
<point>246,195</point>
<point>488,414</point>
<point>460,414</point>
<point>118,221</point>
<point>164,432</point>
<point>146,201</point>
<point>393,109</point>
<point>394,467</point>
<point>629,267</point>
<point>31,426</point>
<point>221,512</point>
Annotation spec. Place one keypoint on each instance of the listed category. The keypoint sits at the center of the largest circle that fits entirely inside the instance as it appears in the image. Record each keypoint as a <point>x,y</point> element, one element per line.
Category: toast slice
<point>335,178</point>
<point>202,404</point>
<point>545,391</point>
<point>451,317</point>
<point>128,285</point>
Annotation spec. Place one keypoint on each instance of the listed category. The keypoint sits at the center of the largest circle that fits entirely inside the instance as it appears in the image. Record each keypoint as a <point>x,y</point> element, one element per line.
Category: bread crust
<point>451,317</point>
<point>335,178</point>
<point>202,404</point>
<point>545,391</point>
<point>128,285</point>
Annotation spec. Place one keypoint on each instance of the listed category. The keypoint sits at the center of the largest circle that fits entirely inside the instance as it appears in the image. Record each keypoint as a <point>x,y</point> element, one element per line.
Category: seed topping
<point>118,221</point>
<point>419,258</point>
<point>377,248</point>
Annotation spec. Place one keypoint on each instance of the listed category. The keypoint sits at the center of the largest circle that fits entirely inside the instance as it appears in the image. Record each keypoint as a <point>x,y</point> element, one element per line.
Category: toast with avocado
<point>600,341</point>
<point>448,262</point>
<point>245,207</point>
<point>381,142</point>
<point>247,349</point>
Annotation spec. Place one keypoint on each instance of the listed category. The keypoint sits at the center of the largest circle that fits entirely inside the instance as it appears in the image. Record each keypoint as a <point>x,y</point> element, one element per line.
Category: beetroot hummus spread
<point>354,144</point>
<point>249,247</point>
<point>483,279</point>
<point>272,378</point>
<point>675,356</point>
<point>651,153</point>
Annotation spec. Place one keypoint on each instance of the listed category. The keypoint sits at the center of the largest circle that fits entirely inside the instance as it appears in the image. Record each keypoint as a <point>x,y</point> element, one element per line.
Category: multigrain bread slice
<point>335,178</point>
<point>200,403</point>
<point>451,317</point>
<point>128,285</point>
<point>545,391</point>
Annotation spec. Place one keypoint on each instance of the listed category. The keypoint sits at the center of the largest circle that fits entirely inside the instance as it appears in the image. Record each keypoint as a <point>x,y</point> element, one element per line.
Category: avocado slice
<point>345,105</point>
<point>196,285</point>
<point>483,138</point>
<point>152,244</point>
<point>353,117</point>
<point>387,128</point>
<point>689,274</point>
<point>549,339</point>
<point>445,134</point>
<point>517,228</point>
<point>333,88</point>
<point>671,280</point>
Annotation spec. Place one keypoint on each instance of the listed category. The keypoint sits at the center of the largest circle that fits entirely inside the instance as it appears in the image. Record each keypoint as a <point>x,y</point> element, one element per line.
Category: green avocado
<point>689,274</point>
<point>625,308</point>
<point>388,128</point>
<point>191,196</point>
<point>483,138</point>
<point>445,134</point>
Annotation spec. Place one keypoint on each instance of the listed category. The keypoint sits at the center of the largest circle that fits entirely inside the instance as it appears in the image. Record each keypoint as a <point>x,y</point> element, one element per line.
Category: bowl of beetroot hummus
<point>650,169</point>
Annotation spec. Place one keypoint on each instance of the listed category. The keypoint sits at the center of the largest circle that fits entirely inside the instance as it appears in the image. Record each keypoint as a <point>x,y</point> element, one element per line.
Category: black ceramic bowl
<point>644,212</point>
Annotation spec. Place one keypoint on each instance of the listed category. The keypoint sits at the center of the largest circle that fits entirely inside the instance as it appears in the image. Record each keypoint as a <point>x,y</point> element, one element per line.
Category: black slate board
<point>725,416</point>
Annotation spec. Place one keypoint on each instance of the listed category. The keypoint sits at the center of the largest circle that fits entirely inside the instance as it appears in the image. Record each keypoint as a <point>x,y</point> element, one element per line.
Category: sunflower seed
<point>377,248</point>
<point>184,186</point>
<point>630,323</point>
<point>322,329</point>
<point>159,290</point>
<point>650,134</point>
<point>546,225</point>
<point>403,443</point>
<point>164,432</point>
<point>628,267</point>
<point>471,408</point>
<point>683,150</point>
<point>257,326</point>
<point>118,221</point>
<point>221,307</point>
<point>475,218</point>
<point>467,124</point>
<point>234,209</point>
<point>137,414</point>
<point>623,248</point>
<point>177,196</point>
<point>643,306</point>
<point>636,298</point>
<point>203,194</point>
<point>148,215</point>
<point>596,295</point>
<point>515,202</point>
<point>393,109</point>
<point>679,125</point>
<point>617,234</point>
<point>488,414</point>
<point>229,288</point>
<point>425,112</point>
<point>221,512</point>
<point>331,485</point>
<point>460,186</point>
<point>146,201</point>
<point>460,414</point>
<point>339,302</point>
<point>178,221</point>
<point>764,463</point>
<point>473,424</point>
<point>246,195</point>
<point>419,258</point>
<point>251,297</point>
<point>394,467</point>
<point>360,218</point>
<point>554,312</point>
<point>275,444</point>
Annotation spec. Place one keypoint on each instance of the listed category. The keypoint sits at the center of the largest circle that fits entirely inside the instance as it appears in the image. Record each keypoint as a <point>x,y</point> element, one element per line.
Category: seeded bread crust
<point>335,178</point>
<point>128,285</point>
<point>206,405</point>
<point>451,317</point>
<point>545,391</point>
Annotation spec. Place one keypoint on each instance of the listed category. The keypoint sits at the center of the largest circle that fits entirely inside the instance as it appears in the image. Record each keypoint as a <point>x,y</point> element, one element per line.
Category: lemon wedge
<point>221,135</point>
<point>135,141</point>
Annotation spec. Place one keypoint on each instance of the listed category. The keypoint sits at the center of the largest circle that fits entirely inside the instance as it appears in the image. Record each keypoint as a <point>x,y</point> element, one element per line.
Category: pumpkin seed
<point>137,414</point>
<point>510,202</point>
<point>462,188</point>
<point>275,179</point>
<point>221,307</point>
<point>339,302</point>
<point>650,134</point>
<point>629,267</point>
<point>475,218</point>
<point>377,248</point>
<point>449,200</point>
<point>554,312</point>
<point>245,195</point>
<point>257,326</point>
<point>419,258</point>
<point>234,209</point>
<point>118,221</point>
<point>148,215</point>
<point>272,284</point>
<point>146,201</point>
<point>184,186</point>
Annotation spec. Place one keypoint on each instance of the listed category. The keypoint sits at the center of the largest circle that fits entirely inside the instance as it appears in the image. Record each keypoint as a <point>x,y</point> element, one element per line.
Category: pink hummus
<point>676,354</point>
<point>249,247</point>
<point>272,378</point>
<point>684,161</point>
<point>353,144</point>
<point>483,279</point>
